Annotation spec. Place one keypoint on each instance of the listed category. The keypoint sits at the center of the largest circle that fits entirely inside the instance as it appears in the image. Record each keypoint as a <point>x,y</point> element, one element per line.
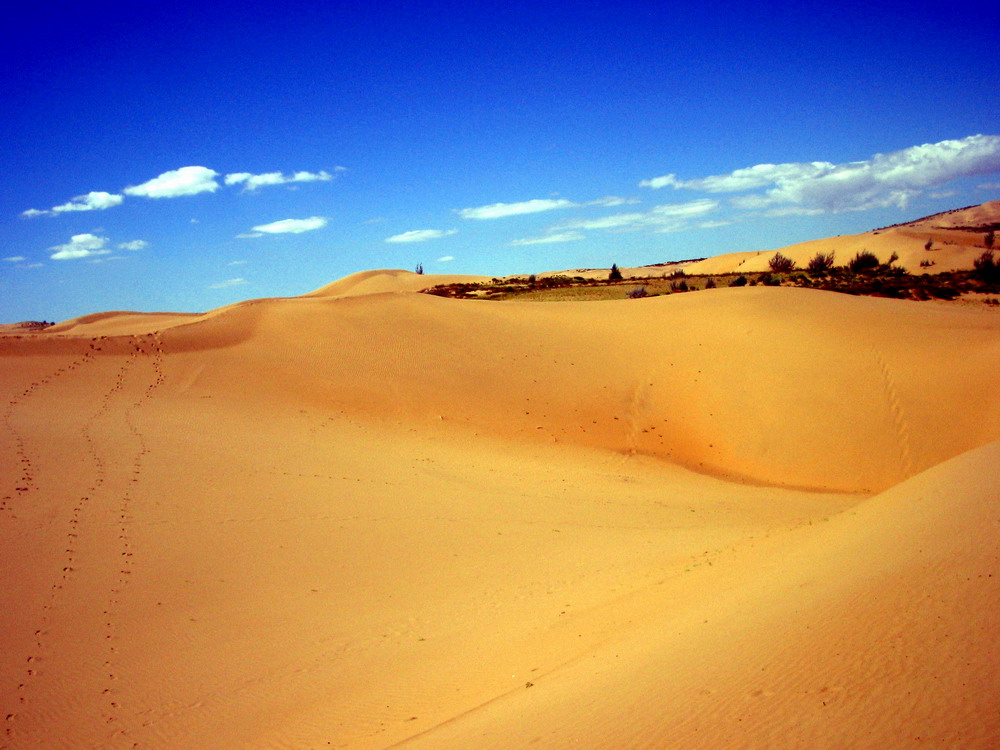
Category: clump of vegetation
<point>863,262</point>
<point>986,267</point>
<point>770,280</point>
<point>616,274</point>
<point>929,244</point>
<point>638,293</point>
<point>710,284</point>
<point>419,269</point>
<point>988,239</point>
<point>820,263</point>
<point>781,264</point>
<point>739,281</point>
<point>679,286</point>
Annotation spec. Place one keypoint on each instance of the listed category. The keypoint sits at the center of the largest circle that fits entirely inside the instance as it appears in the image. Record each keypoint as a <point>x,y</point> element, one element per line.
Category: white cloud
<point>249,235</point>
<point>15,259</point>
<point>292,226</point>
<point>96,200</point>
<point>133,245</point>
<point>80,246</point>
<point>236,263</point>
<point>500,210</point>
<point>446,259</point>
<point>891,179</point>
<point>610,201</point>
<point>33,212</point>
<point>229,283</point>
<point>183,181</point>
<point>421,235</point>
<point>669,217</point>
<point>984,186</point>
<point>254,181</point>
<point>549,239</point>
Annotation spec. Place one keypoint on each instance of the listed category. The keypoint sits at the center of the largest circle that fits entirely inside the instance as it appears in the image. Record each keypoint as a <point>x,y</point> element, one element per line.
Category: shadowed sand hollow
<point>366,518</point>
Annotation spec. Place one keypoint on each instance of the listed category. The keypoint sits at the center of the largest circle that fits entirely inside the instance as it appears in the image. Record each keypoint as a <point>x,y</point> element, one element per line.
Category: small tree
<point>420,268</point>
<point>710,284</point>
<point>929,244</point>
<point>616,274</point>
<point>821,263</point>
<point>781,264</point>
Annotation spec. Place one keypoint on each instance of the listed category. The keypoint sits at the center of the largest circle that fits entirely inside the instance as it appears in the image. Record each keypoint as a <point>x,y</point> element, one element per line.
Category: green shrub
<point>739,281</point>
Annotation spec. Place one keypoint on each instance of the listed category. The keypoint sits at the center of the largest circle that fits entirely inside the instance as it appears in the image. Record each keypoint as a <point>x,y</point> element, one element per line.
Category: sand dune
<point>951,248</point>
<point>366,517</point>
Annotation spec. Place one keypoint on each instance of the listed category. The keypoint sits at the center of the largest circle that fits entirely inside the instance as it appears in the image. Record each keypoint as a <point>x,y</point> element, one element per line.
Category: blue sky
<point>165,157</point>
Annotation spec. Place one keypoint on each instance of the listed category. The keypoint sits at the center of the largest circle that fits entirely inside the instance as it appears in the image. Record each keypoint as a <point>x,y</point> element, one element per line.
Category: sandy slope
<point>366,517</point>
<point>952,248</point>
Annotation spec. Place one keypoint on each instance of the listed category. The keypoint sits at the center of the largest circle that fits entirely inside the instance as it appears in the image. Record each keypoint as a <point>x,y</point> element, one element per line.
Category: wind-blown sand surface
<point>365,517</point>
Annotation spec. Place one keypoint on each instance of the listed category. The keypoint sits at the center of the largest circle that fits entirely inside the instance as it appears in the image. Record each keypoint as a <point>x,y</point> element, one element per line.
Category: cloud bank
<point>891,179</point>
<point>421,235</point>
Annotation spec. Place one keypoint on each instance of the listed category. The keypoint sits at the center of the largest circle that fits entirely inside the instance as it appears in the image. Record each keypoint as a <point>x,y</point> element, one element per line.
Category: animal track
<point>899,421</point>
<point>86,507</point>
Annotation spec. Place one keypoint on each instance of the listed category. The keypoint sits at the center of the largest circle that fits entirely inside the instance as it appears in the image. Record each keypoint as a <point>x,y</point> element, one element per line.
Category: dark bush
<point>781,264</point>
<point>616,274</point>
<point>770,280</point>
<point>679,286</point>
<point>638,293</point>
<point>821,263</point>
<point>739,281</point>
<point>986,268</point>
<point>710,284</point>
<point>863,262</point>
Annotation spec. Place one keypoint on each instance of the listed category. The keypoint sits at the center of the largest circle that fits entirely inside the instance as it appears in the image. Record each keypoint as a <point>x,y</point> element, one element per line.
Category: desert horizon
<point>369,517</point>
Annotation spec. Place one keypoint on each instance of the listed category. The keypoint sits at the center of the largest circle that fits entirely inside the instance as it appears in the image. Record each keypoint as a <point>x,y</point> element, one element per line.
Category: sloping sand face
<point>366,519</point>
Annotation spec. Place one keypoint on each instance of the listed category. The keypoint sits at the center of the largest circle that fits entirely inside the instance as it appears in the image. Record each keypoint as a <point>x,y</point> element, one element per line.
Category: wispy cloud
<point>133,245</point>
<point>501,210</point>
<point>96,200</point>
<point>15,259</point>
<point>989,186</point>
<point>252,182</point>
<point>229,283</point>
<point>446,259</point>
<point>610,201</point>
<point>421,235</point>
<point>292,226</point>
<point>891,179</point>
<point>669,217</point>
<point>249,235</point>
<point>549,239</point>
<point>177,182</point>
<point>80,246</point>
<point>31,213</point>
